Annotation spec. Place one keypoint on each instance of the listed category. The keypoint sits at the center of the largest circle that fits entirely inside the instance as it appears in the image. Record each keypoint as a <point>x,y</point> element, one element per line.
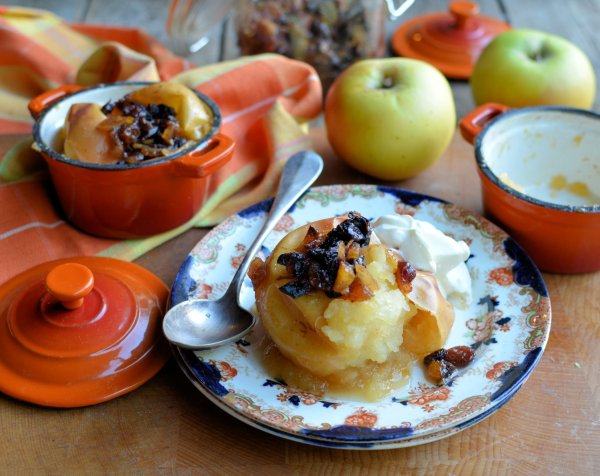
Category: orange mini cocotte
<point>539,177</point>
<point>118,178</point>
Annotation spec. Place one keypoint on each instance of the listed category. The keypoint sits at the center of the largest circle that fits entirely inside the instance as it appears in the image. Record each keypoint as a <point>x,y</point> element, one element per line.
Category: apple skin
<point>524,67</point>
<point>390,118</point>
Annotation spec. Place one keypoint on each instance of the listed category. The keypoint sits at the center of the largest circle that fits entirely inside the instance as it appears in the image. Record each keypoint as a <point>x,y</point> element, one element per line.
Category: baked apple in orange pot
<point>130,159</point>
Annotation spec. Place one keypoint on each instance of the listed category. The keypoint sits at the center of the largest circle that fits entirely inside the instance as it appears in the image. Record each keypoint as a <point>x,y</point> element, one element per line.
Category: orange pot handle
<point>38,103</point>
<point>472,124</point>
<point>203,162</point>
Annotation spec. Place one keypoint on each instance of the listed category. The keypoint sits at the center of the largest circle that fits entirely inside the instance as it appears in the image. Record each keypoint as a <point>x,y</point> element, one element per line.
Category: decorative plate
<point>508,323</point>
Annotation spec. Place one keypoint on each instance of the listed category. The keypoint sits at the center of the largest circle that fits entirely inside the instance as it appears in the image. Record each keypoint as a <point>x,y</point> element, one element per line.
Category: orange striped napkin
<point>266,102</point>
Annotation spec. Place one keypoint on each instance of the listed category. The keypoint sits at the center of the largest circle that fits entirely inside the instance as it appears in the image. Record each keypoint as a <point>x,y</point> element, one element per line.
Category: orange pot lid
<point>451,41</point>
<point>80,331</point>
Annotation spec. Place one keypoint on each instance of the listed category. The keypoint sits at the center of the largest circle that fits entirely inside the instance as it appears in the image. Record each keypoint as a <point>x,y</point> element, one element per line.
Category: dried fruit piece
<point>294,263</point>
<point>317,267</point>
<point>328,34</point>
<point>436,355</point>
<point>405,274</point>
<point>442,363</point>
<point>345,277</point>
<point>439,371</point>
<point>141,131</point>
<point>358,292</point>
<point>312,239</point>
<point>460,356</point>
<point>296,288</point>
<point>356,228</point>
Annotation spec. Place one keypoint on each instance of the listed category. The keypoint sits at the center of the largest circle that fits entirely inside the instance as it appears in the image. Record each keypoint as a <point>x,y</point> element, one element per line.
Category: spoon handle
<point>299,173</point>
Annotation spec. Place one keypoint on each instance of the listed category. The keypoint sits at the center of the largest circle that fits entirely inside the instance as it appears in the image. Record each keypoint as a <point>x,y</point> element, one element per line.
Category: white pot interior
<point>550,155</point>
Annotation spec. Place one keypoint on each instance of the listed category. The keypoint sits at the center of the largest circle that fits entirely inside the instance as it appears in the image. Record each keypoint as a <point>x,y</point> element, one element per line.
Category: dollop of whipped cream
<point>427,248</point>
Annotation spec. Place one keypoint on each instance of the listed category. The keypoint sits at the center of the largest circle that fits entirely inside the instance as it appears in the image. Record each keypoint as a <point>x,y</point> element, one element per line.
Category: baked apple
<point>152,122</point>
<point>85,140</point>
<point>346,314</point>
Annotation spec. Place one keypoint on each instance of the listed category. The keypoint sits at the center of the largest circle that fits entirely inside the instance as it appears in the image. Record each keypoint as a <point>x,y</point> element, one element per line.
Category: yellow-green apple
<point>524,67</point>
<point>390,118</point>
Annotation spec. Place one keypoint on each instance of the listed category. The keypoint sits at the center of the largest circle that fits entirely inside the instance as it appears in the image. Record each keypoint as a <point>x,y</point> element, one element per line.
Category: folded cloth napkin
<point>266,102</point>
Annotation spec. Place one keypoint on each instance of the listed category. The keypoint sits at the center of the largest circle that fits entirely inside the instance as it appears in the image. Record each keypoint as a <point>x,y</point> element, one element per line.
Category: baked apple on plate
<point>345,314</point>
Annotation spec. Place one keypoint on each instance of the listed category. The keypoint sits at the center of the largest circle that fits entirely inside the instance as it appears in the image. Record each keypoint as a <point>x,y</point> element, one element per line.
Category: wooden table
<point>551,426</point>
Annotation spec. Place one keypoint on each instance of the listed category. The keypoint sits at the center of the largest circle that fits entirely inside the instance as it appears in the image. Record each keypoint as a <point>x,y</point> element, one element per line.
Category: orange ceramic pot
<point>540,179</point>
<point>123,200</point>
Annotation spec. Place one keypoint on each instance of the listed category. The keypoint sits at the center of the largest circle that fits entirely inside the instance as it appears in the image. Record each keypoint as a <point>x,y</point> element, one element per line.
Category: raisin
<point>356,228</point>
<point>143,132</point>
<point>316,263</point>
<point>358,291</point>
<point>344,278</point>
<point>323,267</point>
<point>108,107</point>
<point>312,239</point>
<point>405,274</point>
<point>179,142</point>
<point>439,371</point>
<point>296,288</point>
<point>460,356</point>
<point>294,263</point>
<point>436,355</point>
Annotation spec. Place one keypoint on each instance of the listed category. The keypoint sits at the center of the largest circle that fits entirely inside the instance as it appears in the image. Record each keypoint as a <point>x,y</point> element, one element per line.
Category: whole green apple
<point>390,118</point>
<point>524,67</point>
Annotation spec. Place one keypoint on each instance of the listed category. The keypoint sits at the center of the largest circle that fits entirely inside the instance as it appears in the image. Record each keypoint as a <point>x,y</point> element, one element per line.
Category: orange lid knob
<point>70,283</point>
<point>462,12</point>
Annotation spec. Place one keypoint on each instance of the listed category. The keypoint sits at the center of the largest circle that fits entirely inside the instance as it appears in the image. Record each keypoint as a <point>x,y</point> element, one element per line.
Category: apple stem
<point>387,82</point>
<point>538,54</point>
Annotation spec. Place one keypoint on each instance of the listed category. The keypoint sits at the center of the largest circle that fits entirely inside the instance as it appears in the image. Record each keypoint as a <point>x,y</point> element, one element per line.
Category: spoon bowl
<point>201,324</point>
<point>204,324</point>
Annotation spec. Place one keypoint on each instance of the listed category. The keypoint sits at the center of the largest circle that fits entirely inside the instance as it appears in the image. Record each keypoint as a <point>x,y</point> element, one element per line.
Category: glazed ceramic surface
<point>508,323</point>
<point>451,41</point>
<point>125,200</point>
<point>80,331</point>
<point>540,175</point>
<point>531,150</point>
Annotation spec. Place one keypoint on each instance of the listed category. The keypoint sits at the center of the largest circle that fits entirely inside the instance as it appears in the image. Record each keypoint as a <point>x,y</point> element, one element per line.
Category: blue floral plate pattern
<point>508,324</point>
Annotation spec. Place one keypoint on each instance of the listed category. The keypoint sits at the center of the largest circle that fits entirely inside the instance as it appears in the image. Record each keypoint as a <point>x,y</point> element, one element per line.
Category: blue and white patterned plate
<point>508,322</point>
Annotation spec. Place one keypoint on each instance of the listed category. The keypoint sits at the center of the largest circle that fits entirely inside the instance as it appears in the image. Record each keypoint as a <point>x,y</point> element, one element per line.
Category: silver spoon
<point>201,324</point>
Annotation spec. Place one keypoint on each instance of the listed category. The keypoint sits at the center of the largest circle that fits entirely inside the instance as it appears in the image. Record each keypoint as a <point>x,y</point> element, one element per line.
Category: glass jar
<point>189,23</point>
<point>328,34</point>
